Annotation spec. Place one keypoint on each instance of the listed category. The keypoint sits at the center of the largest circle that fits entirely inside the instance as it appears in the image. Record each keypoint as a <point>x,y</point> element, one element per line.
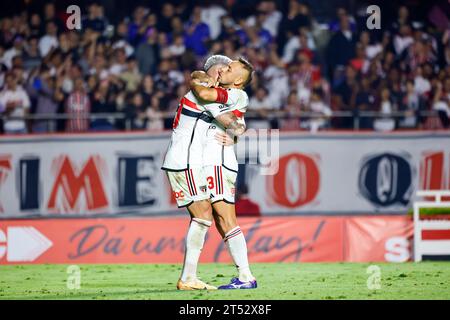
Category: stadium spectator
<point>35,26</point>
<point>14,102</point>
<point>304,74</point>
<point>211,15</point>
<point>154,116</point>
<point>31,56</point>
<point>51,16</point>
<point>292,108</point>
<point>360,62</point>
<point>341,47</point>
<point>297,17</point>
<point>95,19</point>
<point>16,50</point>
<point>135,27</point>
<point>197,33</point>
<point>177,27</point>
<point>147,89</point>
<point>46,90</point>
<point>347,86</point>
<point>372,47</point>
<point>147,53</point>
<point>167,78</point>
<point>342,13</point>
<point>386,107</point>
<point>78,107</point>
<point>165,21</point>
<point>244,205</point>
<point>321,112</point>
<point>261,104</point>
<point>103,102</point>
<point>177,48</point>
<point>403,19</point>
<point>403,39</point>
<point>119,62</point>
<point>441,103</point>
<point>302,40</point>
<point>119,39</point>
<point>294,46</point>
<point>50,40</point>
<point>276,79</point>
<point>272,16</point>
<point>253,34</point>
<point>135,112</point>
<point>363,99</point>
<point>227,30</point>
<point>130,75</point>
<point>412,103</point>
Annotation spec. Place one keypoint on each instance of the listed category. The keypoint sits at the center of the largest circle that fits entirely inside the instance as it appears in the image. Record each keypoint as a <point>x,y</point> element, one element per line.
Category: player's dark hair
<point>247,66</point>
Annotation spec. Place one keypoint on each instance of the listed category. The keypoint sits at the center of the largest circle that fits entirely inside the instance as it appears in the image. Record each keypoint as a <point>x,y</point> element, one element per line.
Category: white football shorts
<point>188,186</point>
<point>221,183</point>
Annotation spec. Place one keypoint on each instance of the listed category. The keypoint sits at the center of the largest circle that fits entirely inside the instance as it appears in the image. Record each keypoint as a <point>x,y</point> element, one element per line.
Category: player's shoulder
<point>238,93</point>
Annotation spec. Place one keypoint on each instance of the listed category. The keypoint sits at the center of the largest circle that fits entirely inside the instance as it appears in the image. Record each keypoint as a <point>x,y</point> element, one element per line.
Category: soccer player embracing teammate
<point>201,164</point>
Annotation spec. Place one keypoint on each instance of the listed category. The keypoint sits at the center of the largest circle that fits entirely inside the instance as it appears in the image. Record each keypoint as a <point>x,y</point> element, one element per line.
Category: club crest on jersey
<point>203,189</point>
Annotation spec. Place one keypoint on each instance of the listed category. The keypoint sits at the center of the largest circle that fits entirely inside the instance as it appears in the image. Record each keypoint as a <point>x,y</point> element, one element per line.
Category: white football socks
<point>237,246</point>
<point>194,244</point>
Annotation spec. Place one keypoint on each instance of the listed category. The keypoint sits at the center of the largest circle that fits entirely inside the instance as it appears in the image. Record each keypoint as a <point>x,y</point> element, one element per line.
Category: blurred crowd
<point>329,74</point>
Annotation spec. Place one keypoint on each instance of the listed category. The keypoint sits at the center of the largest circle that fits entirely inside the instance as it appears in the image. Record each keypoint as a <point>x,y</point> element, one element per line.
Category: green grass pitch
<point>426,280</point>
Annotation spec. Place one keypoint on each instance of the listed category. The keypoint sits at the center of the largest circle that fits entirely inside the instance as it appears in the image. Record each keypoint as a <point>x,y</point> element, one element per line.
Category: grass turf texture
<point>425,280</point>
<point>432,212</point>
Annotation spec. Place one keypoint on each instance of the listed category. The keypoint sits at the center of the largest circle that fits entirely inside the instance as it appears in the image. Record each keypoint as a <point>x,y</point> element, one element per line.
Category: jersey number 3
<point>210,182</point>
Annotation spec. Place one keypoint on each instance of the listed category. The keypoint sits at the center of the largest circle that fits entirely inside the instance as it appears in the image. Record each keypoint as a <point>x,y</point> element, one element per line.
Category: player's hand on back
<point>224,139</point>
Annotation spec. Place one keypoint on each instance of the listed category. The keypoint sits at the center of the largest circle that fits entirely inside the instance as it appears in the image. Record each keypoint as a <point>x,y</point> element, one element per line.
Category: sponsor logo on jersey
<point>178,195</point>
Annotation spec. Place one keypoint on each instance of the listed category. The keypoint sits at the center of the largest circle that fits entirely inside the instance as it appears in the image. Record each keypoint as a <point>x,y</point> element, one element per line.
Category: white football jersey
<point>191,125</point>
<point>215,154</point>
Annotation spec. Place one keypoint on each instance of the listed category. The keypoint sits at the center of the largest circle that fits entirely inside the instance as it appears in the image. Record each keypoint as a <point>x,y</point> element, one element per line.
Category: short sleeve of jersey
<point>228,96</point>
<point>228,100</point>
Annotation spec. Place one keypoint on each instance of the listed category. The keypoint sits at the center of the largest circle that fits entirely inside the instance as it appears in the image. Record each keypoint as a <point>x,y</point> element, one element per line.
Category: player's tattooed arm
<point>202,92</point>
<point>228,119</point>
<point>230,122</point>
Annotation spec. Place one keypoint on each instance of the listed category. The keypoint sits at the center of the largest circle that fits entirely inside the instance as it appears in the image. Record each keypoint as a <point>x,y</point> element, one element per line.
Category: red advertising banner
<point>384,238</point>
<point>161,240</point>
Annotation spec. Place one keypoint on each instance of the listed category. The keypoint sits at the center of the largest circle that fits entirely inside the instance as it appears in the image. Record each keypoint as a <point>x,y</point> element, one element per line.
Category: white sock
<point>194,244</point>
<point>237,246</point>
